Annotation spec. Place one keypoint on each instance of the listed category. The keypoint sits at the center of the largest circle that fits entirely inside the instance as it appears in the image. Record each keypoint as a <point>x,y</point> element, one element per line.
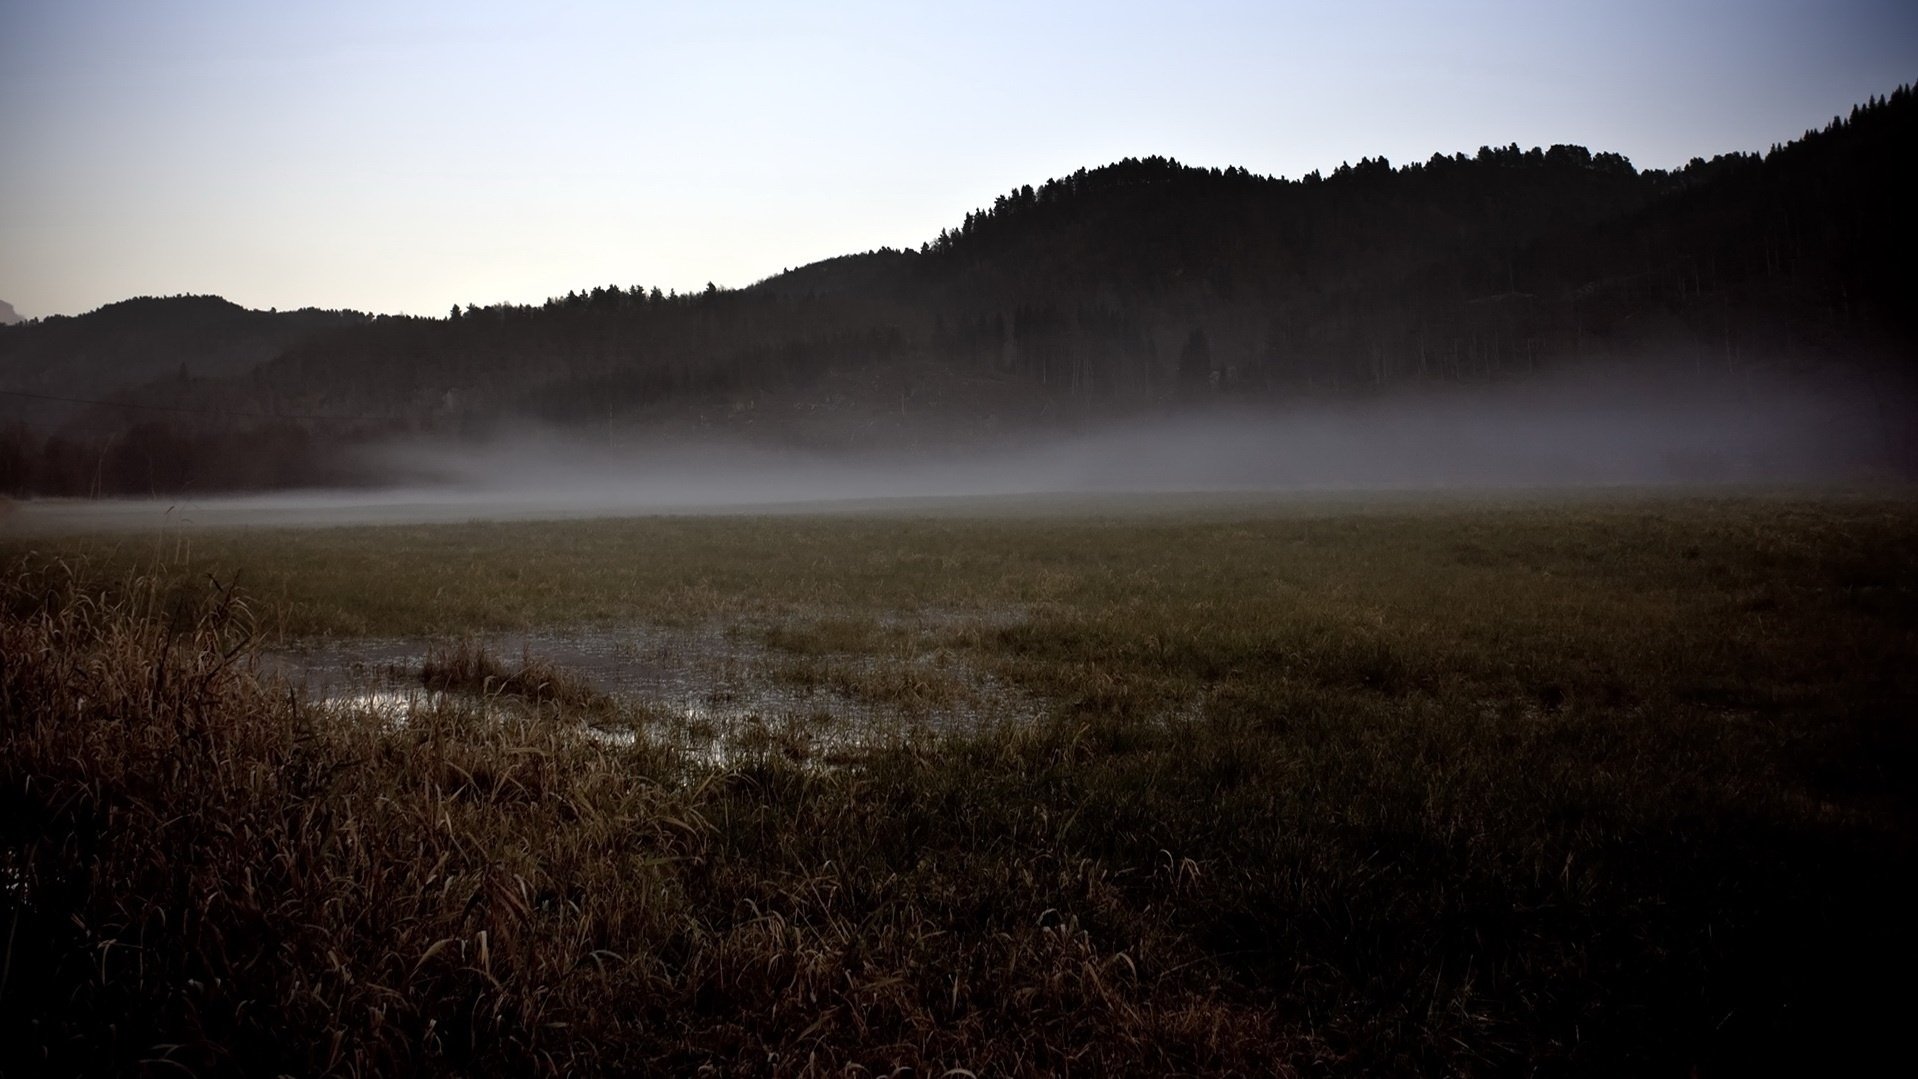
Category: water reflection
<point>715,694</point>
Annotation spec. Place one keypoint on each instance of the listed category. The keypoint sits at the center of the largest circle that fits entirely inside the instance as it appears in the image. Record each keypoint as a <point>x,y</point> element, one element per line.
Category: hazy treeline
<point>1142,285</point>
<point>158,457</point>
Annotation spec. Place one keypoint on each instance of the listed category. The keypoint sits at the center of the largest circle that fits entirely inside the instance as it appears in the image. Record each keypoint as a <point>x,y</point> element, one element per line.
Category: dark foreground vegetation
<point>1614,787</point>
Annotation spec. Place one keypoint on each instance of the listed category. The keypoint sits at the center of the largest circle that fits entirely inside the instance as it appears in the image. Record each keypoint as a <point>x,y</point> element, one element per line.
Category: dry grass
<point>907,686</point>
<point>200,873</point>
<point>1545,790</point>
<point>465,666</point>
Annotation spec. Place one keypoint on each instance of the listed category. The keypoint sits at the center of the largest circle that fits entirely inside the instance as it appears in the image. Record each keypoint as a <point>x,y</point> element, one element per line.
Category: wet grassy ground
<point>1579,784</point>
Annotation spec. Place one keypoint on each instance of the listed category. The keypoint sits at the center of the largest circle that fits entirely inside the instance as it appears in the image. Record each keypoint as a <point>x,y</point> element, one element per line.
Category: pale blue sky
<point>403,157</point>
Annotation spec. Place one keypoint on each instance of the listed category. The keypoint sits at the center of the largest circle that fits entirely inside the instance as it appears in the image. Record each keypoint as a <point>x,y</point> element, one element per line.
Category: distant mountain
<point>133,342</point>
<point>1139,286</point>
<point>8,316</point>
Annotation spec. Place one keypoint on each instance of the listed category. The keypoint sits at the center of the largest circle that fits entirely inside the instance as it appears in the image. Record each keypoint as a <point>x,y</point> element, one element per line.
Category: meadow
<point>1545,784</point>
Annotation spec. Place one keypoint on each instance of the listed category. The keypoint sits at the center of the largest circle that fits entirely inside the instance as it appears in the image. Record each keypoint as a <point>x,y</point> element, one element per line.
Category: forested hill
<point>124,345</point>
<point>1140,285</point>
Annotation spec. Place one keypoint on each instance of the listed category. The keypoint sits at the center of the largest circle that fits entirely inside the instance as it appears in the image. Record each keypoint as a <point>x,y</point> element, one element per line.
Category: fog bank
<point>1582,430</point>
<point>1592,430</point>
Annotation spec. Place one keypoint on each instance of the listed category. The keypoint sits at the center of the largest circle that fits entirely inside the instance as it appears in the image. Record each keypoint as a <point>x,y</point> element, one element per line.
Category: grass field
<point>1545,785</point>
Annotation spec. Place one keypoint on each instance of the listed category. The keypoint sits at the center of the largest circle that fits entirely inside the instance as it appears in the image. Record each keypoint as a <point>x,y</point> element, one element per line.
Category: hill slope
<point>1139,286</point>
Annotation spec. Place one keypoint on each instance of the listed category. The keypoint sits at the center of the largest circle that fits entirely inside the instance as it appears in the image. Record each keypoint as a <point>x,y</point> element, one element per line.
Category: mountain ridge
<point>1140,285</point>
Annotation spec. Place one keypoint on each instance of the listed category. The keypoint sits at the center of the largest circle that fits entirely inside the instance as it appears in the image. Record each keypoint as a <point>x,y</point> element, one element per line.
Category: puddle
<point>717,693</point>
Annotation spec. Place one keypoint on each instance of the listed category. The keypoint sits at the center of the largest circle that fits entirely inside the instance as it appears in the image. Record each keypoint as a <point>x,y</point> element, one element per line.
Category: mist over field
<point>1589,428</point>
<point>1535,317</point>
<point>1592,428</point>
<point>1226,539</point>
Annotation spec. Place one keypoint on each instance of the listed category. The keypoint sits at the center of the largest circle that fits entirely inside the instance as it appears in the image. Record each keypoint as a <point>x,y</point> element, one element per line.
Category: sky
<point>404,157</point>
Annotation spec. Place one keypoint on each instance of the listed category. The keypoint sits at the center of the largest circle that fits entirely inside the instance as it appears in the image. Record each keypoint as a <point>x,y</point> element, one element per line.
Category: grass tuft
<point>467,667</point>
<point>1553,789</point>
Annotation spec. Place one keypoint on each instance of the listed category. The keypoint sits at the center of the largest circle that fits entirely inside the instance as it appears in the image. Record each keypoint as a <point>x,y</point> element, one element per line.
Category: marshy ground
<point>1545,784</point>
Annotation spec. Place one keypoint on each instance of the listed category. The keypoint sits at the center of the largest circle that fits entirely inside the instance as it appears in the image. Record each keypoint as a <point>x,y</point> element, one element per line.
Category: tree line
<point>1143,284</point>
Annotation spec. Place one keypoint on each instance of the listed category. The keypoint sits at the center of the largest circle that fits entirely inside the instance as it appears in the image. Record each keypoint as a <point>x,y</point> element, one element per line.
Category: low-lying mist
<point>1567,431</point>
<point>1589,430</point>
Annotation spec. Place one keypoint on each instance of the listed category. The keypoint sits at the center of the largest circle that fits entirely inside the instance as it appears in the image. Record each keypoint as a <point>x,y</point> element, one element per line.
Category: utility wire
<point>62,428</point>
<point>183,408</point>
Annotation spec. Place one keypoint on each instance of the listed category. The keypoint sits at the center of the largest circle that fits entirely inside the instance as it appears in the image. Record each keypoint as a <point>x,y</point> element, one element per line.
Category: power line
<point>183,408</point>
<point>62,428</point>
